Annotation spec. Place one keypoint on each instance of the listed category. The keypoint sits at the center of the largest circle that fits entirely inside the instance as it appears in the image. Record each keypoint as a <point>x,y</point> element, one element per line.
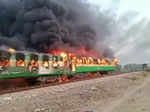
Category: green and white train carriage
<point>19,65</point>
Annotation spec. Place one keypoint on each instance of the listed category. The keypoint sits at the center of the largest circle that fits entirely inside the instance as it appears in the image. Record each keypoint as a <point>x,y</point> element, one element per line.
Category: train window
<point>108,62</point>
<point>103,61</point>
<point>59,58</point>
<point>34,57</point>
<point>4,58</point>
<point>45,58</point>
<point>83,60</point>
<point>98,61</point>
<point>34,60</point>
<point>90,60</point>
<point>55,61</point>
<point>78,61</point>
<point>20,58</point>
<point>45,62</point>
<point>95,61</point>
<point>55,58</point>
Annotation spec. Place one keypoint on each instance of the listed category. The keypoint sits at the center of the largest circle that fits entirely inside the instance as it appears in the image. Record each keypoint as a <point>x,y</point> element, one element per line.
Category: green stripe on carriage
<point>81,69</point>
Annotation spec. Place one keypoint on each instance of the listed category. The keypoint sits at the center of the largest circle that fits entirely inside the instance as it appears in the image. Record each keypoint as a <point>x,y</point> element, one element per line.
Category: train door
<point>20,60</point>
<point>55,62</point>
<point>45,62</point>
<point>45,66</point>
<point>57,67</point>
<point>73,64</point>
<point>17,63</point>
<point>4,61</point>
<point>20,63</point>
<point>51,63</point>
<point>33,66</point>
<point>61,64</point>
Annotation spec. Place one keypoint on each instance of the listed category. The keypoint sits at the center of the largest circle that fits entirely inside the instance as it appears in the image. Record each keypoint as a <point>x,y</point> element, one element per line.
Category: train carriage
<point>21,64</point>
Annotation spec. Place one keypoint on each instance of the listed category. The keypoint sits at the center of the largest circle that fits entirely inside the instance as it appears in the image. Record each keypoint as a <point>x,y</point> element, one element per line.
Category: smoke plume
<point>43,25</point>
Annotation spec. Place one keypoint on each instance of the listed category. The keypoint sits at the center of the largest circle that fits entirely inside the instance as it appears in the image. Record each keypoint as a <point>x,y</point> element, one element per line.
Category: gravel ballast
<point>84,96</point>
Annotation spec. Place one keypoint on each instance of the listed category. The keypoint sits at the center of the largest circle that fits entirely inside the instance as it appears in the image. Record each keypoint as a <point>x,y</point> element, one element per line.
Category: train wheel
<point>63,78</point>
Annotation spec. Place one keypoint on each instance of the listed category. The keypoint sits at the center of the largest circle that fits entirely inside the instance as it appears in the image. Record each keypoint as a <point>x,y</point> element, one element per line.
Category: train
<point>23,64</point>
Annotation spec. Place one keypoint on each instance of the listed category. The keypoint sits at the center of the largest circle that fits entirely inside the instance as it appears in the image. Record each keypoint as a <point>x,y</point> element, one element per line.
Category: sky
<point>131,42</point>
<point>140,6</point>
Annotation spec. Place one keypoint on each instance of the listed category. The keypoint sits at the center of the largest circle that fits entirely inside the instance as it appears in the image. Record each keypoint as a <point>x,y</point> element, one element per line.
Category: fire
<point>20,63</point>
<point>63,54</point>
<point>55,64</point>
<point>85,52</point>
<point>84,56</point>
<point>34,63</point>
<point>115,61</point>
<point>99,61</point>
<point>4,63</point>
<point>80,51</point>
<point>11,50</point>
<point>103,62</point>
<point>58,52</point>
<point>90,60</point>
<point>45,64</point>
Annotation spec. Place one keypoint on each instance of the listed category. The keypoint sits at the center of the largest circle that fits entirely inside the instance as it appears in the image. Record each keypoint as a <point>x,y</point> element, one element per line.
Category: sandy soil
<point>137,100</point>
<point>109,94</point>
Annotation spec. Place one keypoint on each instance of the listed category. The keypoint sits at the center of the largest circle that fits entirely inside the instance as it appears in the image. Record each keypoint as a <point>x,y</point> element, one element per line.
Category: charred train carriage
<point>16,64</point>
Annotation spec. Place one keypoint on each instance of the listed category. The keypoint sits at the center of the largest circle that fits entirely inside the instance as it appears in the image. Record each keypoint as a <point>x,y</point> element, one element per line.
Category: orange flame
<point>115,61</point>
<point>4,63</point>
<point>57,52</point>
<point>63,54</point>
<point>45,64</point>
<point>84,56</point>
<point>55,64</point>
<point>20,63</point>
<point>34,63</point>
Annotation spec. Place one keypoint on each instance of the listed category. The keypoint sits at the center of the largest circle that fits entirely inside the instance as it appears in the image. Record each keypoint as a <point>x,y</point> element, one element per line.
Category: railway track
<point>18,85</point>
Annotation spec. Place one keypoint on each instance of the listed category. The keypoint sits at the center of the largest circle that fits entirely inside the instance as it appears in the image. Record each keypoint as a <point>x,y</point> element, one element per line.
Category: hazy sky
<point>140,6</point>
<point>131,42</point>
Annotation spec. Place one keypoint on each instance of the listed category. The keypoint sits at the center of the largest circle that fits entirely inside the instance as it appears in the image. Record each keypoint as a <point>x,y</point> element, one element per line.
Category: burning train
<point>19,64</point>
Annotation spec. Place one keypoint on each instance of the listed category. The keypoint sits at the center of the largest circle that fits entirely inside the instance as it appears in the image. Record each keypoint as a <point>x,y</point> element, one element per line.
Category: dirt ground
<point>123,93</point>
<point>137,100</point>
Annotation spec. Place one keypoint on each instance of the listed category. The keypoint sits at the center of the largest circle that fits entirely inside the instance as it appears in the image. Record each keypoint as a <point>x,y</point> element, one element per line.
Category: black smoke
<point>43,25</point>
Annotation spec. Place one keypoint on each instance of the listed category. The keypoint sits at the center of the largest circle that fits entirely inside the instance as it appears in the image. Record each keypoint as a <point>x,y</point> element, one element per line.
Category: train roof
<point>26,52</point>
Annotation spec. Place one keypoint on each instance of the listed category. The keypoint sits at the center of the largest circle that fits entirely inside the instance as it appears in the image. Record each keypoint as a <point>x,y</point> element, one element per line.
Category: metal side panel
<point>81,69</point>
